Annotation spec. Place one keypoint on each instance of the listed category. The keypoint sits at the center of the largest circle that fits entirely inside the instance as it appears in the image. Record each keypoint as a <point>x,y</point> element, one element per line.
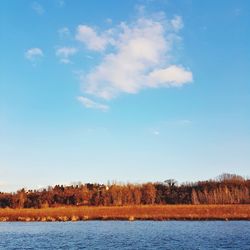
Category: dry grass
<point>154,212</point>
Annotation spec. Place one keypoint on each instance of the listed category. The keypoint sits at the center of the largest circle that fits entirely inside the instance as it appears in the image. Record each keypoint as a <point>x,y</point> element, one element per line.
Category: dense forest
<point>225,189</point>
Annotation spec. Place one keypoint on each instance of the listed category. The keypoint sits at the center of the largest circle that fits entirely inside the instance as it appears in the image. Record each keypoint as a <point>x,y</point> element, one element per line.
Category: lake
<point>126,235</point>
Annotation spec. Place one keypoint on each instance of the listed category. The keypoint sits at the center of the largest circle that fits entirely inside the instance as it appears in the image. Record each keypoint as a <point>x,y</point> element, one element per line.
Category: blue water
<point>126,235</point>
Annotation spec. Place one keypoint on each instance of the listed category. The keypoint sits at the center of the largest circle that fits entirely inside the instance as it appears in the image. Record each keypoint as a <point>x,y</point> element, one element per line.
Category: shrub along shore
<point>131,213</point>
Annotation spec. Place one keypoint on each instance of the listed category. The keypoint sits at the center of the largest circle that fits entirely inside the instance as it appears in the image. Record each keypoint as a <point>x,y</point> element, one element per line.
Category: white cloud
<point>38,8</point>
<point>172,76</point>
<point>91,39</point>
<point>137,57</point>
<point>64,53</point>
<point>33,53</point>
<point>88,103</point>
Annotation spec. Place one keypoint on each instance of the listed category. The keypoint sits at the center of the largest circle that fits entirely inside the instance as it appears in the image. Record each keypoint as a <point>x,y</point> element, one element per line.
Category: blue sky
<point>132,91</point>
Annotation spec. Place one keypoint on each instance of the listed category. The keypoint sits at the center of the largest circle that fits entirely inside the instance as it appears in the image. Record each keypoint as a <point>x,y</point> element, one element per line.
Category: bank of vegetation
<point>225,189</point>
<point>225,198</point>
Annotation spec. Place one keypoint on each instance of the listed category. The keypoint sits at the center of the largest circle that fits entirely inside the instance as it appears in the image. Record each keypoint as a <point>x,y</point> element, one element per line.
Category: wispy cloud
<point>177,23</point>
<point>88,103</point>
<point>160,128</point>
<point>91,38</point>
<point>135,56</point>
<point>38,8</point>
<point>156,132</point>
<point>64,53</point>
<point>108,20</point>
<point>33,54</point>
<point>185,122</point>
<point>64,32</point>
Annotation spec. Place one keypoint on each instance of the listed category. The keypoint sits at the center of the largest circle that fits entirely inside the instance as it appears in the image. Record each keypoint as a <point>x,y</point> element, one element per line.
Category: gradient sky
<point>133,91</point>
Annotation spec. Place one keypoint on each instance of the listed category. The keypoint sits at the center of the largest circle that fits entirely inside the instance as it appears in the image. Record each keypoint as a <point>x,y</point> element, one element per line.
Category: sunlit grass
<point>146,212</point>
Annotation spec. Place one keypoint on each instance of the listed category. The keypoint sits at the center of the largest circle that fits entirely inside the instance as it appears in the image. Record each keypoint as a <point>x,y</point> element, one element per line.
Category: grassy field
<point>154,212</point>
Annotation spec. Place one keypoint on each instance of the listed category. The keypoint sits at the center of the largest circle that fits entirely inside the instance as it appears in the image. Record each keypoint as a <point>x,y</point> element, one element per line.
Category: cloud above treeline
<point>134,56</point>
<point>127,58</point>
<point>64,53</point>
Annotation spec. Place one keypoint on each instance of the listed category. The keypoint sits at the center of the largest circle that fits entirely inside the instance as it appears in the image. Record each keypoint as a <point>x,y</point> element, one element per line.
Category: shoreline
<point>129,213</point>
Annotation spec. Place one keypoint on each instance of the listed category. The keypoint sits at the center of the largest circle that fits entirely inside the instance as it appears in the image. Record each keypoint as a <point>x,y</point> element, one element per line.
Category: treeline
<point>225,189</point>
